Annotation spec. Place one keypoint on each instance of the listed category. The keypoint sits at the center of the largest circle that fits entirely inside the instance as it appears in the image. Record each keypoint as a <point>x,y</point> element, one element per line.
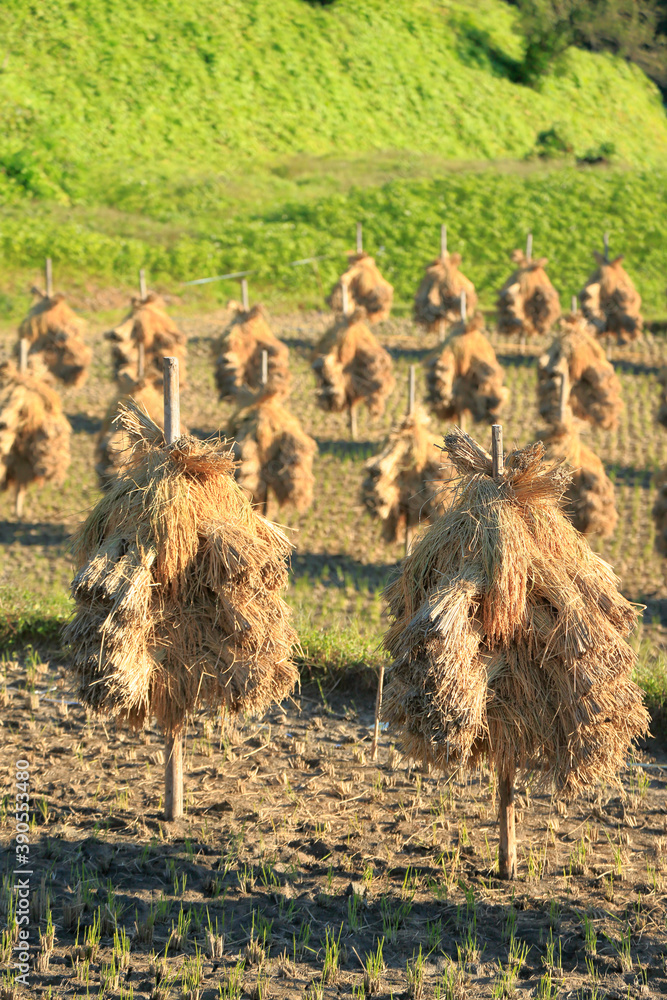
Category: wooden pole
<point>48,277</point>
<point>353,423</point>
<point>378,709</point>
<point>443,242</point>
<point>605,241</point>
<point>345,297</point>
<point>23,355</point>
<point>574,305</point>
<point>265,367</point>
<point>464,306</point>
<point>507,848</point>
<point>529,247</point>
<point>564,397</point>
<point>143,291</point>
<point>411,390</point>
<point>173,742</point>
<point>360,242</point>
<point>141,354</point>
<point>20,487</point>
<point>244,295</point>
<point>18,500</point>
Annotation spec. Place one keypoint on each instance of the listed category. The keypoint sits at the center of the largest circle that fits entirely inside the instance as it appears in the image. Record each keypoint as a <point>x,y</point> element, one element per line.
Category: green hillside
<point>172,134</point>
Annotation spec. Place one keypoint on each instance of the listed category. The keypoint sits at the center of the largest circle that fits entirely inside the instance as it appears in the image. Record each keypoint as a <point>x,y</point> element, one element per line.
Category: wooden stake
<point>574,305</point>
<point>245,301</point>
<point>173,742</point>
<point>411,390</point>
<point>353,423</point>
<point>507,846</point>
<point>18,500</point>
<point>443,242</point>
<point>345,297</point>
<point>48,276</point>
<point>378,709</point>
<point>23,356</point>
<point>497,450</point>
<point>360,244</point>
<point>464,306</point>
<point>265,367</point>
<point>605,241</point>
<point>143,291</point>
<point>564,397</point>
<point>529,247</point>
<point>140,359</point>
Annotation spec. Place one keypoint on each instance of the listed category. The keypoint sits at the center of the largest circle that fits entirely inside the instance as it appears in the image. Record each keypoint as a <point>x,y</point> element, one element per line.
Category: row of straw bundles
<point>589,500</point>
<point>238,354</point>
<point>34,431</point>
<point>55,332</point>
<point>351,366</point>
<point>406,484</point>
<point>464,376</point>
<point>178,591</point>
<point>366,289</point>
<point>528,303</point>
<point>438,298</point>
<point>509,634</point>
<point>594,389</point>
<point>273,452</point>
<point>610,301</point>
<point>149,325</point>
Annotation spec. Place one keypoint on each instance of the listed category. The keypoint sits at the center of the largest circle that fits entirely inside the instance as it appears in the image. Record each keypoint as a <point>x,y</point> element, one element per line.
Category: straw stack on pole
<point>148,330</point>
<point>509,637</point>
<point>55,334</point>
<point>34,431</point>
<point>464,377</point>
<point>528,304</point>
<point>595,391</point>
<point>114,447</point>
<point>238,352</point>
<point>366,287</point>
<point>610,301</point>
<point>274,453</point>
<point>589,498</point>
<point>177,595</point>
<point>439,296</point>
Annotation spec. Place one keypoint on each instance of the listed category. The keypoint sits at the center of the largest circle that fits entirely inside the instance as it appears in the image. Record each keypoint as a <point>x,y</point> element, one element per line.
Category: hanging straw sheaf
<point>34,431</point>
<point>238,354</point>
<point>589,500</point>
<point>55,334</point>
<point>610,301</point>
<point>149,324</point>
<point>366,288</point>
<point>528,303</point>
<point>114,447</point>
<point>509,633</point>
<point>178,591</point>
<point>407,484</point>
<point>438,298</point>
<point>464,376</point>
<point>595,391</point>
<point>350,366</point>
<point>273,452</point>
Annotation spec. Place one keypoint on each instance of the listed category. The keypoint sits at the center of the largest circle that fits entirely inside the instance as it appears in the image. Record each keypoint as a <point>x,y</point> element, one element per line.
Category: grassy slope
<point>199,140</point>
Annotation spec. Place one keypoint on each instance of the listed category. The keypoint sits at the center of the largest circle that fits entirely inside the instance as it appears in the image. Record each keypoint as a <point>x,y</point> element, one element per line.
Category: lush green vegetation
<point>196,141</point>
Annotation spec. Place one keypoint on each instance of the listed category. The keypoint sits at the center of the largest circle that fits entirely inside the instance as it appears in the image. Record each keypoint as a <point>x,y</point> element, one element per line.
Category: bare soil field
<point>299,857</point>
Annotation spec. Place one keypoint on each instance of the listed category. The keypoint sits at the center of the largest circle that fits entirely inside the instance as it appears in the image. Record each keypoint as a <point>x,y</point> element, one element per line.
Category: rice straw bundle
<point>55,333</point>
<point>407,483</point>
<point>509,633</point>
<point>113,447</point>
<point>351,366</point>
<point>528,303</point>
<point>34,431</point>
<point>589,501</point>
<point>274,453</point>
<point>464,376</point>
<point>366,288</point>
<point>238,354</point>
<point>438,298</point>
<point>595,391</point>
<point>147,324</point>
<point>611,302</point>
<point>178,591</point>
